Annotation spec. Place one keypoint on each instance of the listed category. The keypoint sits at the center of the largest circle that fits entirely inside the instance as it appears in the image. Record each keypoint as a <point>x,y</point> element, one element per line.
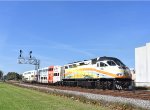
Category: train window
<point>74,65</point>
<point>41,77</point>
<point>118,62</point>
<point>111,63</point>
<point>31,75</point>
<point>82,64</point>
<point>97,64</point>
<point>55,74</point>
<point>102,64</point>
<point>94,61</point>
<point>70,66</point>
<point>50,69</point>
<point>66,67</point>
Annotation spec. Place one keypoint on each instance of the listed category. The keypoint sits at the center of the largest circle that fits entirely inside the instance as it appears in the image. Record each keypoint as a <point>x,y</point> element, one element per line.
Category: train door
<point>57,71</point>
<point>45,75</point>
<point>102,65</point>
<point>62,72</point>
<point>40,75</point>
<point>112,67</point>
<point>50,74</point>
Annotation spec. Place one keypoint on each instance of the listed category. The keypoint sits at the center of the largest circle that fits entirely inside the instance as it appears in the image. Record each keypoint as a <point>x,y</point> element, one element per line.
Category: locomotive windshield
<point>111,63</point>
<point>118,62</point>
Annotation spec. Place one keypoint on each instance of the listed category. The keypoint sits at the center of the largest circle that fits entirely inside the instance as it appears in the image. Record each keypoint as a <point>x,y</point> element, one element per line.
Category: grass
<point>16,98</point>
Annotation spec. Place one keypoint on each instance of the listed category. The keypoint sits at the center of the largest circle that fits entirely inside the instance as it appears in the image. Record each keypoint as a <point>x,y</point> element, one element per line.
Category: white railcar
<point>30,76</point>
<point>49,74</point>
<point>43,75</point>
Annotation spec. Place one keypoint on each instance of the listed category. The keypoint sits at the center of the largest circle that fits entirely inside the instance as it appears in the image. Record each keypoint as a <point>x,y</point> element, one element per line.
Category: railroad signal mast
<point>29,60</point>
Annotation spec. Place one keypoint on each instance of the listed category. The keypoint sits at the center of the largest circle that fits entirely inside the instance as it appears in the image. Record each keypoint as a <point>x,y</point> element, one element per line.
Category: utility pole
<point>29,60</point>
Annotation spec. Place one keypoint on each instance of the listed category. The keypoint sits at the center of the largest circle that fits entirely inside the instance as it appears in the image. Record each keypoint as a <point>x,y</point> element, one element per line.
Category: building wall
<point>148,62</point>
<point>142,65</point>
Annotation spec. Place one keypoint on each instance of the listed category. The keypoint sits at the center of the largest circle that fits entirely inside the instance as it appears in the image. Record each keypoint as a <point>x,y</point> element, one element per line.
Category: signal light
<point>20,53</point>
<point>30,54</point>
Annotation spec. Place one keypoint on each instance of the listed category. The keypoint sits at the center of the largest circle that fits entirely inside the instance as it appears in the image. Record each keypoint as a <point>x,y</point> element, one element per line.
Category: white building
<point>142,65</point>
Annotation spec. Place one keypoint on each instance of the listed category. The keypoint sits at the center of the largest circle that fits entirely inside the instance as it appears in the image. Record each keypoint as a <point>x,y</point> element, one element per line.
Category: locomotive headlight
<point>120,67</point>
<point>119,74</point>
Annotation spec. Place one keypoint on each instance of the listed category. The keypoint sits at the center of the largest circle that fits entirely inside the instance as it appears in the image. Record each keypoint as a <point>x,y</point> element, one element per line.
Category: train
<point>101,72</point>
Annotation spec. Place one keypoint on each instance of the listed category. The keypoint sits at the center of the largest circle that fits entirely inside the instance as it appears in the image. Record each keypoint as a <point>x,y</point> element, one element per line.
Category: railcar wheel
<point>110,85</point>
<point>118,85</point>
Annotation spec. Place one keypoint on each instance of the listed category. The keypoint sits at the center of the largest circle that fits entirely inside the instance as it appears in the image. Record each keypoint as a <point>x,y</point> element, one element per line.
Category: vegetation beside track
<point>104,104</point>
<point>16,98</point>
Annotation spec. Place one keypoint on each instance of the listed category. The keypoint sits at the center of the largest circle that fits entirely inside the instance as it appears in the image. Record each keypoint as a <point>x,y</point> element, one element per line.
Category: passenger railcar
<point>29,76</point>
<point>49,74</point>
<point>43,75</point>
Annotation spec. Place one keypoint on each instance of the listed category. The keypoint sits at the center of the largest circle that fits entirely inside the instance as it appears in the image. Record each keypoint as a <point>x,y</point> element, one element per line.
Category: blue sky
<point>62,32</point>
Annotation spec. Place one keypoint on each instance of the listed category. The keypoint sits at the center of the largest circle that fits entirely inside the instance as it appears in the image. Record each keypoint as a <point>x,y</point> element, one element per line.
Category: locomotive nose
<point>125,71</point>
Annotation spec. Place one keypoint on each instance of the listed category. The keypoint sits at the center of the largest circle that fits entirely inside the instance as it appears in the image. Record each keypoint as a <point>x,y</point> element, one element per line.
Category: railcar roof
<point>106,58</point>
<point>96,59</point>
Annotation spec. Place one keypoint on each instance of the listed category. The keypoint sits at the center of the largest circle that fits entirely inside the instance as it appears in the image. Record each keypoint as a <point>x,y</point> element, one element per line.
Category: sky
<point>62,32</point>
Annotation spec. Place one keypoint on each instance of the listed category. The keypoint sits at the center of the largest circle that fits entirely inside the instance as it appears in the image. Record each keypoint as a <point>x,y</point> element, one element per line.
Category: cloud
<point>72,49</point>
<point>54,45</point>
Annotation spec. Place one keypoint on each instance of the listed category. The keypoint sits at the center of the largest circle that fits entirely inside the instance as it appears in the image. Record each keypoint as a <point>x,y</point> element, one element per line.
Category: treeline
<point>1,75</point>
<point>10,76</point>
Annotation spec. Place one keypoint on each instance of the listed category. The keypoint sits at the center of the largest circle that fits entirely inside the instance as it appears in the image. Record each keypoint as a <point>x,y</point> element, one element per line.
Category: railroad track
<point>136,94</point>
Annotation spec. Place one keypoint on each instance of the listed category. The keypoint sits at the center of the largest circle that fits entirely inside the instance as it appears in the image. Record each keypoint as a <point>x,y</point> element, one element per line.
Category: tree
<point>5,77</point>
<point>13,76</point>
<point>1,75</point>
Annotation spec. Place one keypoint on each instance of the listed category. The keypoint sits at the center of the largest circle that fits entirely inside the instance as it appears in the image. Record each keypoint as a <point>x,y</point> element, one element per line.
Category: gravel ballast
<point>97,97</point>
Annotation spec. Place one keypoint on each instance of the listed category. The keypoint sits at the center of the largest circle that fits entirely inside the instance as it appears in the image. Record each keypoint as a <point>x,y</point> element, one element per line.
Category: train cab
<point>114,66</point>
